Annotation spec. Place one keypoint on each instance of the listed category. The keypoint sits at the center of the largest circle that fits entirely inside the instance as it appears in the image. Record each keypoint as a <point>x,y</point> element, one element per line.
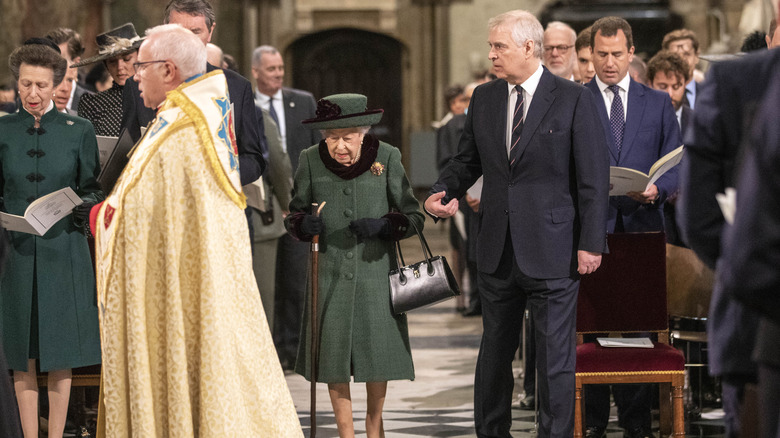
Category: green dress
<point>360,336</point>
<point>49,304</point>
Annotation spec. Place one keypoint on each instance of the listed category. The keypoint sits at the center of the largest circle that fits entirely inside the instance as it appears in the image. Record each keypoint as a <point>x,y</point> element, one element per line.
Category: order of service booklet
<point>626,342</point>
<point>42,213</point>
<point>623,180</point>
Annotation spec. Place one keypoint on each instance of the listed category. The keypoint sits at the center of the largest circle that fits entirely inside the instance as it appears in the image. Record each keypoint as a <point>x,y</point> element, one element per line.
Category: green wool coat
<point>360,334</point>
<point>57,266</point>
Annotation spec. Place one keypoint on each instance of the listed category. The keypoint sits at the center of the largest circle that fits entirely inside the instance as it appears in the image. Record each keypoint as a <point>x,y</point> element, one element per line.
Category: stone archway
<point>353,61</point>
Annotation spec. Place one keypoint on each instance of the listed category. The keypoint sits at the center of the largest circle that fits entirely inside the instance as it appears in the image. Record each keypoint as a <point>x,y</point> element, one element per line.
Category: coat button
<point>348,191</point>
<point>506,212</point>
<point>349,233</point>
<point>349,276</point>
<point>348,213</point>
<point>349,255</point>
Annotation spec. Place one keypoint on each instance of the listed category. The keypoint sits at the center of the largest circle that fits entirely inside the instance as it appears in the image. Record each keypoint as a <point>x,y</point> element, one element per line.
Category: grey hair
<point>178,45</point>
<point>362,130</point>
<point>562,26</point>
<point>257,54</point>
<point>523,25</point>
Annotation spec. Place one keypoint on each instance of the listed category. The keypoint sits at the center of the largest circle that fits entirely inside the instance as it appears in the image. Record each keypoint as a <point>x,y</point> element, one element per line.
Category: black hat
<point>115,42</point>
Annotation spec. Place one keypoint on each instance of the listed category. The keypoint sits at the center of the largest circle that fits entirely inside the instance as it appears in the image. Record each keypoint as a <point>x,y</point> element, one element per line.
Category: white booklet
<point>106,146</point>
<point>626,342</point>
<point>42,213</point>
<point>623,180</point>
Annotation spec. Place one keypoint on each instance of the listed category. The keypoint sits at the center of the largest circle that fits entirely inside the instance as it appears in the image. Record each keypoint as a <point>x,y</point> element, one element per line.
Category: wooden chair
<point>627,294</point>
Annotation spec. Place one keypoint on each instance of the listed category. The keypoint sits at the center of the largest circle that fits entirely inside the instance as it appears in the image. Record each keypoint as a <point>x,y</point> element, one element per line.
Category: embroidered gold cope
<point>185,344</point>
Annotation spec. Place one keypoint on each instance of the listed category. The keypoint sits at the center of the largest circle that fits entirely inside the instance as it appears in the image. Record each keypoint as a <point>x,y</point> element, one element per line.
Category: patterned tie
<point>517,126</point>
<point>616,119</point>
<point>272,112</point>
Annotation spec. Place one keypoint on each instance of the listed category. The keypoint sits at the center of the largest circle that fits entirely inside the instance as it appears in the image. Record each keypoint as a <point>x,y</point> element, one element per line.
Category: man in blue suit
<point>728,105</point>
<point>536,139</point>
<point>641,127</point>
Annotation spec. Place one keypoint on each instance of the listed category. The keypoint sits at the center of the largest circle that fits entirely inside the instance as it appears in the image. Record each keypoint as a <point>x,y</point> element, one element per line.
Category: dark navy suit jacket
<point>651,132</point>
<point>250,134</point>
<point>299,105</point>
<point>553,200</point>
<point>726,107</point>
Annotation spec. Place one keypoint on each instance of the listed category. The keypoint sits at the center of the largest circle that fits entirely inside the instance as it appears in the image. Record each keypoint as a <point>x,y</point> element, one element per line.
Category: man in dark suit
<point>641,127</point>
<point>748,270</point>
<point>198,16</point>
<point>668,72</point>
<point>287,107</point>
<point>728,102</point>
<point>69,42</point>
<point>535,139</point>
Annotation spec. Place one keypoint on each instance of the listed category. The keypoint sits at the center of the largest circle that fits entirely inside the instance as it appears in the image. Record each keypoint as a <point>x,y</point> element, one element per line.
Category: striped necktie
<point>517,126</point>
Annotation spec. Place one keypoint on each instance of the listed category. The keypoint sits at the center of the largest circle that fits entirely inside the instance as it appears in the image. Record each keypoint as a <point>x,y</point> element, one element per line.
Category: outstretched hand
<point>434,206</point>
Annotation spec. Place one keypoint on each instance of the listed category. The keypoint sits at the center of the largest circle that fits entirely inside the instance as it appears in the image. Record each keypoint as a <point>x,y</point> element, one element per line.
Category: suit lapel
<point>636,109</point>
<point>602,109</point>
<point>540,103</point>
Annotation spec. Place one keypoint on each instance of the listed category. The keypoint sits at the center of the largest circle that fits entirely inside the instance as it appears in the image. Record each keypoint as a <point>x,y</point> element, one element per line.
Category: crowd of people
<point>196,299</point>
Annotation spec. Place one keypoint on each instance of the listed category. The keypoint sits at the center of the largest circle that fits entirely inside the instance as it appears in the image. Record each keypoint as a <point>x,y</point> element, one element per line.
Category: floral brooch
<point>377,168</point>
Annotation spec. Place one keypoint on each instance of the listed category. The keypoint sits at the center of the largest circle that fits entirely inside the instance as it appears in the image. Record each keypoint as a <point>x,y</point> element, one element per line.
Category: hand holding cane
<point>315,340</point>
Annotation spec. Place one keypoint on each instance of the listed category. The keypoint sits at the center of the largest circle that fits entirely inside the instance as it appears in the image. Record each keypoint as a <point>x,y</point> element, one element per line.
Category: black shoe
<point>638,432</point>
<point>528,403</point>
<point>595,432</point>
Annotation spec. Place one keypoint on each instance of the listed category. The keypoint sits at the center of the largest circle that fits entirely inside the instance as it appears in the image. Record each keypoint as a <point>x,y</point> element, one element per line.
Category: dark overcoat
<point>360,334</point>
<point>52,272</point>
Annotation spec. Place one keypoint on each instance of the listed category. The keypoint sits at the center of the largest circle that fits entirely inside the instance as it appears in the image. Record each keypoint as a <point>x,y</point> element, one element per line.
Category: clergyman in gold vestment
<point>186,347</point>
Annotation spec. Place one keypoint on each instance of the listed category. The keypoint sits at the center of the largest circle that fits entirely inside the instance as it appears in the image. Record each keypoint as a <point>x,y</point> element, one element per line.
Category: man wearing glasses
<point>198,17</point>
<point>559,56</point>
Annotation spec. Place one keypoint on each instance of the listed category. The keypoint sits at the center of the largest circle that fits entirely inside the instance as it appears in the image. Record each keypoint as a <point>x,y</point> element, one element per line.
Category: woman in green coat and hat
<point>370,205</point>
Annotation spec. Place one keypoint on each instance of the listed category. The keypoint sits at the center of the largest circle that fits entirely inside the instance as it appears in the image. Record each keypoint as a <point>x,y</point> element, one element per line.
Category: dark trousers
<point>529,373</point>
<point>769,388</point>
<point>552,303</point>
<point>291,271</point>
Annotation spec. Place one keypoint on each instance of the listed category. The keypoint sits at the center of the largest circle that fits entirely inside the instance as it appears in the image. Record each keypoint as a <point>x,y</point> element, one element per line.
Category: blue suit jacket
<point>553,200</point>
<point>250,134</point>
<point>651,132</point>
<point>727,104</point>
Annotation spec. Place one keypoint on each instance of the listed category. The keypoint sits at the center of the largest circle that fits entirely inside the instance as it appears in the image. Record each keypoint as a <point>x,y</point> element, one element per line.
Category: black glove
<point>367,227</point>
<point>312,225</point>
<point>81,217</point>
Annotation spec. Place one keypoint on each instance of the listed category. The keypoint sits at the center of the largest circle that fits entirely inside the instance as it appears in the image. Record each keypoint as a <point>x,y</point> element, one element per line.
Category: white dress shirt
<point>529,88</point>
<point>264,101</point>
<point>608,96</point>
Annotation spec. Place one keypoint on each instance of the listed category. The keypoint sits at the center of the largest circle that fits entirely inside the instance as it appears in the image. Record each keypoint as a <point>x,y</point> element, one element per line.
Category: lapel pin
<point>69,122</point>
<point>292,104</point>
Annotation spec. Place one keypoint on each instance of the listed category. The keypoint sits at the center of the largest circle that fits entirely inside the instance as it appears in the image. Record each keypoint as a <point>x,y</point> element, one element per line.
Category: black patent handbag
<point>423,283</point>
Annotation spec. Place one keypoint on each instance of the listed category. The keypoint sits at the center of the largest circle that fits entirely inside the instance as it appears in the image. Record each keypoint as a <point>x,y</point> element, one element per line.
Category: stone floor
<point>439,402</point>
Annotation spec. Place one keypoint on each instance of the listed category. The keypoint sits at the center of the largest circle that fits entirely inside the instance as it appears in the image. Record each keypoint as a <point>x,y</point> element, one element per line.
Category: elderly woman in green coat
<point>370,204</point>
<point>49,311</point>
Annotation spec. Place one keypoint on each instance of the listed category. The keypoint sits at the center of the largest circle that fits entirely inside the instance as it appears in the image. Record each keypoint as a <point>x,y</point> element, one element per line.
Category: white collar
<point>623,84</point>
<point>265,98</point>
<point>530,84</point>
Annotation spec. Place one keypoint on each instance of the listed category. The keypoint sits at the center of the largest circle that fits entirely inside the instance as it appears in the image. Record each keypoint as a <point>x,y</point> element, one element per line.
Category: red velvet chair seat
<point>593,358</point>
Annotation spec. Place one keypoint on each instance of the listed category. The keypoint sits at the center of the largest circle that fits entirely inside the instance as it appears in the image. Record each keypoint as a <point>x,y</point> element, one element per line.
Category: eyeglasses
<point>141,66</point>
<point>562,49</point>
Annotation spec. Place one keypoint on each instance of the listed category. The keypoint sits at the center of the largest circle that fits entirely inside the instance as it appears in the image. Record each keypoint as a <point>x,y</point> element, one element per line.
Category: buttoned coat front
<point>56,266</point>
<point>360,335</point>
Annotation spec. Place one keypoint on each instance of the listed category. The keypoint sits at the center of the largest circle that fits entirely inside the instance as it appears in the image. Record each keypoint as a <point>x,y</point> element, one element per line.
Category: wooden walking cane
<point>315,339</point>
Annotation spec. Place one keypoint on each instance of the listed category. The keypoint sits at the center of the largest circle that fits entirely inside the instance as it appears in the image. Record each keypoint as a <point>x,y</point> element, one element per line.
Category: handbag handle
<point>426,254</point>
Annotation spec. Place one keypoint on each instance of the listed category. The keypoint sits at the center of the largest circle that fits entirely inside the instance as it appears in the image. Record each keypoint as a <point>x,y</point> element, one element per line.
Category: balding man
<point>185,340</point>
<point>198,16</point>
<point>559,55</point>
